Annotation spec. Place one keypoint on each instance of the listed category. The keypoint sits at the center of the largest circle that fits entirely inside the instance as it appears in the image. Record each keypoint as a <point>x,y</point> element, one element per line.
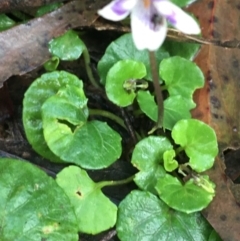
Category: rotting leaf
<point>25,47</point>
<point>9,5</point>
<point>218,102</point>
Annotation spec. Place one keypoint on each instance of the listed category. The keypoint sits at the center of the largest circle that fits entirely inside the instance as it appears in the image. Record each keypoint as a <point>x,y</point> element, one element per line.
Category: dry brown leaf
<point>218,103</point>
<point>25,47</point>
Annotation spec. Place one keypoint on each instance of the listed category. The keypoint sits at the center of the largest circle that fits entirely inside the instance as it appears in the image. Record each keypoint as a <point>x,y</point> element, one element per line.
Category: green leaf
<point>175,108</point>
<point>47,9</point>
<point>181,76</point>
<point>95,212</point>
<point>67,47</point>
<point>51,64</point>
<point>5,22</point>
<point>182,3</point>
<point>92,145</point>
<point>33,207</point>
<point>145,99</point>
<point>147,157</point>
<point>170,164</point>
<point>143,217</point>
<point>117,51</point>
<point>190,197</point>
<point>199,142</point>
<point>39,91</point>
<point>182,49</point>
<point>124,73</point>
<point>214,236</point>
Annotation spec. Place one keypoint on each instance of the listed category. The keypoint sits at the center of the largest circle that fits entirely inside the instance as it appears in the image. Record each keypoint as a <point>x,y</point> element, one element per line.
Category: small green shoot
<point>118,87</point>
<point>169,163</point>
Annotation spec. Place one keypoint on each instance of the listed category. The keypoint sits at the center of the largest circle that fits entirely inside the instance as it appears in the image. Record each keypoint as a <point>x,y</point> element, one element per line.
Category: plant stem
<point>157,89</point>
<point>108,115</point>
<point>113,117</point>
<point>115,183</point>
<point>88,68</point>
<point>179,149</point>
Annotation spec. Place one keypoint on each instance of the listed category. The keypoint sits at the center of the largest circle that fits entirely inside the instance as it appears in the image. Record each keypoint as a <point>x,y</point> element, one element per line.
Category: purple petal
<point>117,9</point>
<point>177,17</point>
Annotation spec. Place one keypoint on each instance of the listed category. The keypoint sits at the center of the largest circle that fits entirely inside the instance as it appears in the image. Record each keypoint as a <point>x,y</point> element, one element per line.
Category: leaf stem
<point>109,115</point>
<point>179,149</point>
<point>164,87</point>
<point>88,68</point>
<point>115,183</point>
<point>157,89</point>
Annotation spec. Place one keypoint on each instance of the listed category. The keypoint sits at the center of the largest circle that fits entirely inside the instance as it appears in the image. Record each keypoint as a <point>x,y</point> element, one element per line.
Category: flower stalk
<point>157,89</point>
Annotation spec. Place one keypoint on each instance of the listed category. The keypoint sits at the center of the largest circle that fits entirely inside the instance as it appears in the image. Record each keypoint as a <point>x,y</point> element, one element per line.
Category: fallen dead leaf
<point>218,103</point>
<point>25,47</point>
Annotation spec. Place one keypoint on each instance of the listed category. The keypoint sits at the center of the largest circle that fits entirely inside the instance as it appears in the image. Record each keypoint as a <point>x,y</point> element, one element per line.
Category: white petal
<point>145,34</point>
<point>177,17</point>
<point>117,9</point>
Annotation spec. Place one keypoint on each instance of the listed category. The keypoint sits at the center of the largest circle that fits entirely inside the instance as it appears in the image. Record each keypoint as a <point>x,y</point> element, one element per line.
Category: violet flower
<point>148,20</point>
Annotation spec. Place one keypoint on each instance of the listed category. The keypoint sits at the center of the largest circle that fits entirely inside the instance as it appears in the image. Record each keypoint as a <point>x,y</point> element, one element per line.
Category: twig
<point>10,5</point>
<point>109,235</point>
<point>129,125</point>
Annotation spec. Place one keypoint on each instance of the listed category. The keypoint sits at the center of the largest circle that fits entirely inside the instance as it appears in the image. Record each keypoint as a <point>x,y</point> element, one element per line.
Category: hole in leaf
<point>79,193</point>
<point>70,125</point>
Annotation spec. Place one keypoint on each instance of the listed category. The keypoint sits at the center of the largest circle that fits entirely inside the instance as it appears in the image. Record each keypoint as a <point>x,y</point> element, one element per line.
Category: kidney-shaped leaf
<point>67,47</point>
<point>92,145</point>
<point>181,76</point>
<point>124,72</point>
<point>199,142</point>
<point>33,207</point>
<point>175,108</point>
<point>143,217</point>
<point>182,49</point>
<point>147,157</point>
<point>95,212</point>
<point>117,51</point>
<point>39,91</point>
<point>186,198</point>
